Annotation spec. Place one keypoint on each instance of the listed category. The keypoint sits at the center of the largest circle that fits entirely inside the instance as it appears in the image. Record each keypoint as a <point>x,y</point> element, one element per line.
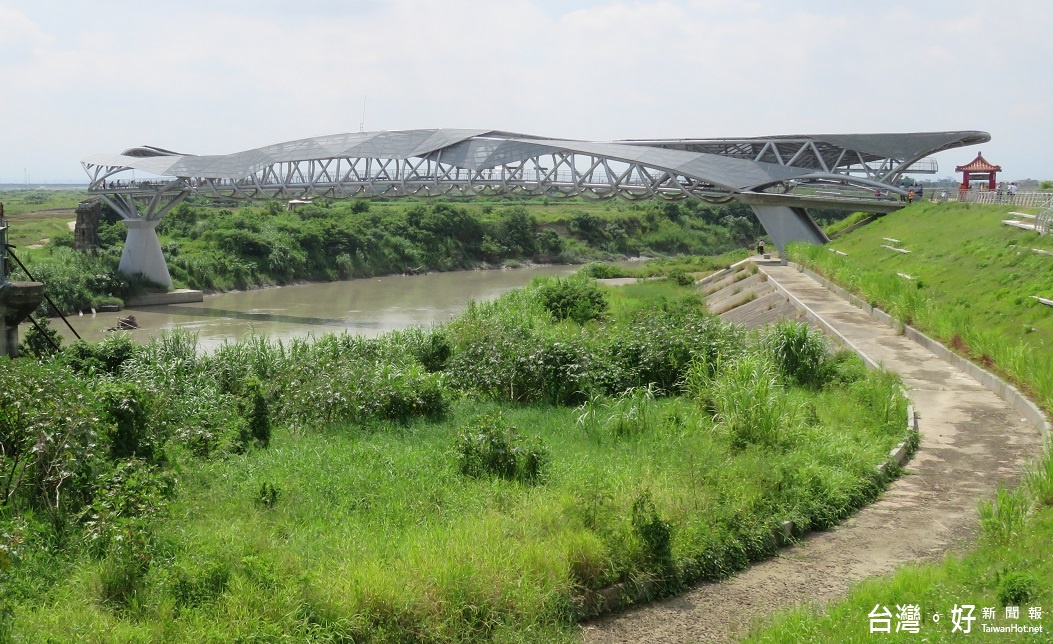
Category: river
<point>366,307</point>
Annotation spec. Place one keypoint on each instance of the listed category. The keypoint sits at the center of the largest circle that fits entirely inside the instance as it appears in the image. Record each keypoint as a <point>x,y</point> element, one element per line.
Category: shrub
<point>127,502</point>
<point>576,298</point>
<point>1016,589</point>
<point>655,535</point>
<point>800,353</point>
<point>682,278</point>
<point>126,406</point>
<point>103,357</point>
<point>491,447</point>
<point>660,346</point>
<point>51,436</point>
<point>42,342</point>
<point>433,351</point>
<point>605,271</point>
<point>549,242</point>
<point>256,410</point>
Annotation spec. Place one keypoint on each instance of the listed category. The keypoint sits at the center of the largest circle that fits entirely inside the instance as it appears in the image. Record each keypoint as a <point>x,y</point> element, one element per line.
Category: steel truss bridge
<point>779,176</point>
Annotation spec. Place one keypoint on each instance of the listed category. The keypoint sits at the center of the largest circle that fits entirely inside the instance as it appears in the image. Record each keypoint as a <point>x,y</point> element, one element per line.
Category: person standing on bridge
<point>910,195</point>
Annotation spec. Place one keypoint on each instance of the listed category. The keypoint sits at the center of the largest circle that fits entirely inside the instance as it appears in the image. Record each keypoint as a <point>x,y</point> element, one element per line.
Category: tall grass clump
<point>750,402</point>
<point>800,352</point>
<point>490,446</point>
<point>1039,478</point>
<point>633,412</point>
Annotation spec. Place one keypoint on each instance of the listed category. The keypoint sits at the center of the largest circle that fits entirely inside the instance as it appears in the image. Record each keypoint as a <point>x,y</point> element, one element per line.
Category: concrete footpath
<point>971,440</point>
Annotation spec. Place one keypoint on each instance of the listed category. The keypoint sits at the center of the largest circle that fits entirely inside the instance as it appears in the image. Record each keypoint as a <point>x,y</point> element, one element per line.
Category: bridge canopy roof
<point>478,149</point>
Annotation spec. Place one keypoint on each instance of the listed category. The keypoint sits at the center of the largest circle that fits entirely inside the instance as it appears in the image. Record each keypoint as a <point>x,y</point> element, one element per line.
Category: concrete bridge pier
<point>17,301</point>
<point>142,252</point>
<point>788,224</point>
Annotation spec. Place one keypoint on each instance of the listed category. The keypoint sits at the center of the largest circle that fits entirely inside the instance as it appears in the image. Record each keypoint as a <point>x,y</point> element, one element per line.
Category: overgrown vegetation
<point>215,248</point>
<point>426,485</point>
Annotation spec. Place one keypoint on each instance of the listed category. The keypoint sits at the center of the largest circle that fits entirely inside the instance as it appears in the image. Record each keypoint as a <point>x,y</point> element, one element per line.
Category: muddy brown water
<point>367,307</point>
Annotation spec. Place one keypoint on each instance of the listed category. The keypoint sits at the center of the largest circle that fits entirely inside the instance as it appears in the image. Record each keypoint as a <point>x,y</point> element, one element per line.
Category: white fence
<point>1024,199</point>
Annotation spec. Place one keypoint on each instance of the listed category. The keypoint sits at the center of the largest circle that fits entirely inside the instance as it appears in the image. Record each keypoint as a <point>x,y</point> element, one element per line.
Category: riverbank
<point>970,278</point>
<point>219,250</point>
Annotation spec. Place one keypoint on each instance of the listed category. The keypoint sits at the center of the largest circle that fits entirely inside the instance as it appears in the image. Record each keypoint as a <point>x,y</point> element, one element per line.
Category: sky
<point>78,78</point>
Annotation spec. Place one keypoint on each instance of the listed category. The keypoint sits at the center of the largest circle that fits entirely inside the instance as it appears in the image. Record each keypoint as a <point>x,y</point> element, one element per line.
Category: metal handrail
<point>1024,199</point>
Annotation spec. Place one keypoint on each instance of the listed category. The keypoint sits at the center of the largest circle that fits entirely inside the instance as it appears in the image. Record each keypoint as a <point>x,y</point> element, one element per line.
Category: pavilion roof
<point>979,164</point>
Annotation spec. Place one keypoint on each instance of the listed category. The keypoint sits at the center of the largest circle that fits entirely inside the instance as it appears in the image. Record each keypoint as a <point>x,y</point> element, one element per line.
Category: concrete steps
<point>743,295</point>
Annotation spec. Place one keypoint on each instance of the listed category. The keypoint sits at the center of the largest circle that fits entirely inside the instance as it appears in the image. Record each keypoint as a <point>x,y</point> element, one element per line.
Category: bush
<point>127,502</point>
<point>51,436</point>
<point>256,410</point>
<point>42,342</point>
<point>1016,589</point>
<point>433,351</point>
<point>492,447</point>
<point>682,278</point>
<point>605,271</point>
<point>576,298</point>
<point>126,406</point>
<point>800,353</point>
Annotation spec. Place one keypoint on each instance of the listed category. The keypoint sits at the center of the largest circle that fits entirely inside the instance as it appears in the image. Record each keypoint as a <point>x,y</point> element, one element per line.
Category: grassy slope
<point>974,278</point>
<point>977,275</point>
<point>38,215</point>
<point>968,260</point>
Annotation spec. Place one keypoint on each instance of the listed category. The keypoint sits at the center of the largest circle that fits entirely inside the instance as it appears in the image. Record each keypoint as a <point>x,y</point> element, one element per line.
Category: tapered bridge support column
<point>142,252</point>
<point>786,224</point>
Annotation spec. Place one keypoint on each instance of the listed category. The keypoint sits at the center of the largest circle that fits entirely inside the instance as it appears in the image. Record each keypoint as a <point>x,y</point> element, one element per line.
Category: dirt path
<point>971,440</point>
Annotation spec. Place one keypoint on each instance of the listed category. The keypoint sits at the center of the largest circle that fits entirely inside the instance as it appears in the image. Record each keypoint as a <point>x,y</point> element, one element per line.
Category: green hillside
<point>971,282</point>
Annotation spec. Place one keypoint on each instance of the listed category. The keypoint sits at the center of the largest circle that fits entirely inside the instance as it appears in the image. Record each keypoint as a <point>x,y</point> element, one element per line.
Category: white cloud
<point>210,79</point>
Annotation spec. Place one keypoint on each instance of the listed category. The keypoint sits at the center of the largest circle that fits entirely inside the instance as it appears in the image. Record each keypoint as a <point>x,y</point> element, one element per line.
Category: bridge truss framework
<point>778,176</point>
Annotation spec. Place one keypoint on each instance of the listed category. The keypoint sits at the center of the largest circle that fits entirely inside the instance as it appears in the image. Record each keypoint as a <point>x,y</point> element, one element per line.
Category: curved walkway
<point>971,441</point>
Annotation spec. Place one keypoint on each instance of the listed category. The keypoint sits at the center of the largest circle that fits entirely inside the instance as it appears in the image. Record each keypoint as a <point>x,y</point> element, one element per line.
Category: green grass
<point>374,529</point>
<point>1012,545</point>
<point>32,214</point>
<point>973,280</point>
<point>369,530</point>
<point>841,224</point>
